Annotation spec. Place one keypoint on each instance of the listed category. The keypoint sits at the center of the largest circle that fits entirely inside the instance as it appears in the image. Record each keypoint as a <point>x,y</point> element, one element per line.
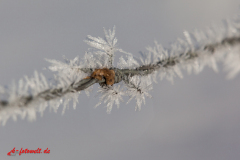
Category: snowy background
<point>197,118</point>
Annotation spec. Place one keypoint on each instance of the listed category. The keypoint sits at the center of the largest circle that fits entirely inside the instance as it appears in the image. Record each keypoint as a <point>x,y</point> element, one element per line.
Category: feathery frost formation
<point>197,50</point>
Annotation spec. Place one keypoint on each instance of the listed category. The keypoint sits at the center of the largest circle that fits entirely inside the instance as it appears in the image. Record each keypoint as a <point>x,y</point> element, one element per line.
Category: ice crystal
<point>130,63</point>
<point>138,88</point>
<point>103,50</point>
<point>232,62</point>
<point>107,46</point>
<point>110,95</point>
<point>154,54</point>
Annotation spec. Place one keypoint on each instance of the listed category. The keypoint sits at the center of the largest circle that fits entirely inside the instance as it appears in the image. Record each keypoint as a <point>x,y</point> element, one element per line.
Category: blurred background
<point>197,118</point>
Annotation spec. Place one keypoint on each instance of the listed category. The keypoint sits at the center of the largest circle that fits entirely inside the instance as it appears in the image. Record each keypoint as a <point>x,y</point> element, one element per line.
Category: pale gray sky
<point>197,118</point>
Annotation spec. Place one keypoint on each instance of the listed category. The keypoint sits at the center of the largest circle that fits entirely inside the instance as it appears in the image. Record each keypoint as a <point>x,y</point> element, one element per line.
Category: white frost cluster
<point>103,50</point>
<point>138,88</point>
<point>110,95</point>
<point>130,63</point>
<point>31,86</point>
<point>64,67</point>
<point>231,62</point>
<point>25,87</point>
<point>195,43</point>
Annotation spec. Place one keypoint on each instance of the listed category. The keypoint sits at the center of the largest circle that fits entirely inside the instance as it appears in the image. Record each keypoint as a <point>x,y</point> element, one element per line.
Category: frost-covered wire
<point>199,49</point>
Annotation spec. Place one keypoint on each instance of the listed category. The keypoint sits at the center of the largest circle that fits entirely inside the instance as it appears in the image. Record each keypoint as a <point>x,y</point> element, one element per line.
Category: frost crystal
<point>130,63</point>
<point>107,46</point>
<point>154,55</point>
<point>138,88</point>
<point>103,50</point>
<point>110,95</point>
<point>232,63</point>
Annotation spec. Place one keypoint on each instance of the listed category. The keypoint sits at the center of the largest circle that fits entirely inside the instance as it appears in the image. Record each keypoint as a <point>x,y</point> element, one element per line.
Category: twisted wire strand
<point>173,60</point>
<point>53,93</point>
